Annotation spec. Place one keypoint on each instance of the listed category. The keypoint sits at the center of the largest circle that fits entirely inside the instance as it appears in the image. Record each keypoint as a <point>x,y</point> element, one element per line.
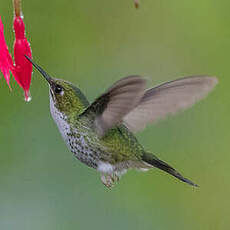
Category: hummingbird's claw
<point>109,180</point>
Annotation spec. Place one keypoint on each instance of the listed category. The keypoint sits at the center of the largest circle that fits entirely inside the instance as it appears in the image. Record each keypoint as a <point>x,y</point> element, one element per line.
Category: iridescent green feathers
<point>70,100</point>
<point>127,106</point>
<point>116,102</point>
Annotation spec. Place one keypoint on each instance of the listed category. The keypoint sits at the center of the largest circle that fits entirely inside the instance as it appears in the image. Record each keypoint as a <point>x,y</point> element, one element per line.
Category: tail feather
<point>154,161</point>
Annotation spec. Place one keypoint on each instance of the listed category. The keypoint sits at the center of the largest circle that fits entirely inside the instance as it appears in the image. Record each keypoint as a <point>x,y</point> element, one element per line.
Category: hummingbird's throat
<point>52,95</point>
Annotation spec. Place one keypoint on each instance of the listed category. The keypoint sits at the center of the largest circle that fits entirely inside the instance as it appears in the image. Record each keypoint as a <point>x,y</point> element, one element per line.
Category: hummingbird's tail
<point>154,161</point>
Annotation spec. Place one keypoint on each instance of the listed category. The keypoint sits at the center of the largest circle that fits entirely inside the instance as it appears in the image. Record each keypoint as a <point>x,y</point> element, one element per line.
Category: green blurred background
<point>93,44</point>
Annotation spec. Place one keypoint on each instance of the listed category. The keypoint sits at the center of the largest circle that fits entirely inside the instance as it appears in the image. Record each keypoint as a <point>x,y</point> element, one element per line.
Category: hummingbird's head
<point>66,97</point>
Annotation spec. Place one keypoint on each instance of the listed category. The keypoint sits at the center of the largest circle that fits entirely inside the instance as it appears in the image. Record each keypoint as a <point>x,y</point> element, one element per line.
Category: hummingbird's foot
<point>109,180</point>
<point>115,178</point>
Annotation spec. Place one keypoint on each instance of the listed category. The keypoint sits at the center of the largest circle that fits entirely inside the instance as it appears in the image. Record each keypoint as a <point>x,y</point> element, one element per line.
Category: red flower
<point>22,68</point>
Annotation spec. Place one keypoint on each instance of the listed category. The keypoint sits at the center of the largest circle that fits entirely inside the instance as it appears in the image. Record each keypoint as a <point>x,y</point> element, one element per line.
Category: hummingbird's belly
<point>82,147</point>
<point>78,141</point>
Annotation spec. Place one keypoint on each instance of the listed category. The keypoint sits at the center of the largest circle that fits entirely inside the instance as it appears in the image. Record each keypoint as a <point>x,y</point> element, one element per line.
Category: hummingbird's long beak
<point>44,74</point>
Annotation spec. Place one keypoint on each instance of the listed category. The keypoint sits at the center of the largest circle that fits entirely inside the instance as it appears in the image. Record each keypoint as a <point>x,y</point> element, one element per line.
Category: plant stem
<point>17,7</point>
<point>136,3</point>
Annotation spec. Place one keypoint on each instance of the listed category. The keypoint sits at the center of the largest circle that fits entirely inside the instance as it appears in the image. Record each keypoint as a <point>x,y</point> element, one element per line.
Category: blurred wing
<point>168,98</point>
<point>116,102</point>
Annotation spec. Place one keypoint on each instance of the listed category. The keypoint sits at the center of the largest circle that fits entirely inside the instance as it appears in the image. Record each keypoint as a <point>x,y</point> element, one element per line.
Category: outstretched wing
<point>168,98</point>
<point>116,102</point>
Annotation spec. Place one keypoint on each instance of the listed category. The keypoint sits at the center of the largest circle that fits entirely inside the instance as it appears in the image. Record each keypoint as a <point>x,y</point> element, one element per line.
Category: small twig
<point>17,7</point>
<point>136,3</point>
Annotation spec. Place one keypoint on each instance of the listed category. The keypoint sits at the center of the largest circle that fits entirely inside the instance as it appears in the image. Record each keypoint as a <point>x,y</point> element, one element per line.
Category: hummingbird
<point>101,134</point>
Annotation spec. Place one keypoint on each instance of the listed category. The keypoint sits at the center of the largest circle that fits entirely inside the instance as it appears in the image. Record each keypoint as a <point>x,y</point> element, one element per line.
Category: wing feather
<point>168,98</point>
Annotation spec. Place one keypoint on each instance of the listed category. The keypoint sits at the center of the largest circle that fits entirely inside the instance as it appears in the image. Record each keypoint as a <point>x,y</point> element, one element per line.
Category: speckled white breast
<point>78,143</point>
<point>60,119</point>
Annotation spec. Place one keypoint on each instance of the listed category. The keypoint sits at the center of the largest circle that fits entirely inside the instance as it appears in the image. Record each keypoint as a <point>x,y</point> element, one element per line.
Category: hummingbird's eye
<point>58,89</point>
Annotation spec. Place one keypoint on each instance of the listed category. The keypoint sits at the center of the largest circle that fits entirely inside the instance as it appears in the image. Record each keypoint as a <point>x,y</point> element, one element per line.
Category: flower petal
<point>6,62</point>
<point>23,68</point>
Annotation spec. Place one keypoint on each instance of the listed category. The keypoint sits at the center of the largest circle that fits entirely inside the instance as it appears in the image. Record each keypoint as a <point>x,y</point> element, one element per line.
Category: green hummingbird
<point>101,134</point>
